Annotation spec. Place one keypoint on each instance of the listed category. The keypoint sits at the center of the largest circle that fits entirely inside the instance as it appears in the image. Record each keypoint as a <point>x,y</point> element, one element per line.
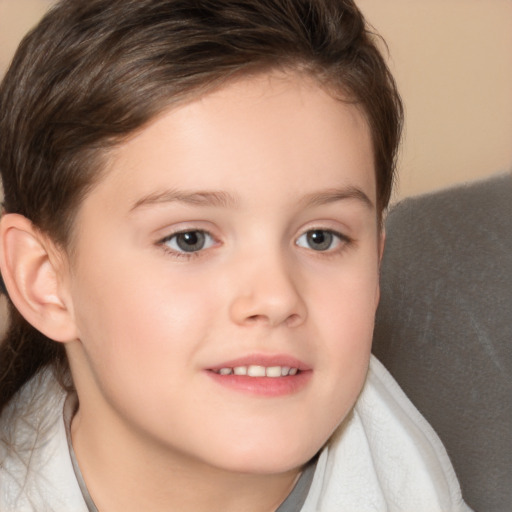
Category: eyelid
<point>170,229</point>
<point>179,253</point>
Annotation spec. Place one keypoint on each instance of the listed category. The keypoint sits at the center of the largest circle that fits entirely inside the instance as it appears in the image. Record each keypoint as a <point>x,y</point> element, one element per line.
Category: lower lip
<point>264,386</point>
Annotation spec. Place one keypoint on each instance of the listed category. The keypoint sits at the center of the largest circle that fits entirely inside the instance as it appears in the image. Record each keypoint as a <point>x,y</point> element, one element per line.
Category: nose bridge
<point>267,290</point>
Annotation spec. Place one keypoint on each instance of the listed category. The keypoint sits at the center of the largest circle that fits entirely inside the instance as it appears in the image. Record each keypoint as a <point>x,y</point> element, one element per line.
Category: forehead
<point>280,128</point>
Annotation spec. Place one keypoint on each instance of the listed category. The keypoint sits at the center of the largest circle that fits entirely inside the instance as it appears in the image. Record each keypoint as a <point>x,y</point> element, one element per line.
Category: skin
<point>278,157</point>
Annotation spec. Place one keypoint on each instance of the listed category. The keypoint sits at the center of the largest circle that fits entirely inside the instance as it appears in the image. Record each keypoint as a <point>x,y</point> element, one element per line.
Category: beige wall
<point>16,18</point>
<point>453,63</point>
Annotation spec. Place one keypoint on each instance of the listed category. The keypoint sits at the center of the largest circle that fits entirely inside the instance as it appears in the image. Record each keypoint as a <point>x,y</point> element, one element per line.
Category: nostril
<point>290,321</point>
<point>256,318</point>
<point>293,319</point>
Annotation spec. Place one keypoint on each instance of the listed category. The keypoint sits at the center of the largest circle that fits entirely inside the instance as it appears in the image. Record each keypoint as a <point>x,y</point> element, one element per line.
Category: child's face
<point>240,231</point>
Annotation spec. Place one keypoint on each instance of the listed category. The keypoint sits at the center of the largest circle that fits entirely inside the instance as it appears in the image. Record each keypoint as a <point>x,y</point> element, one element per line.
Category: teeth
<point>256,371</point>
<point>274,371</point>
<point>259,371</point>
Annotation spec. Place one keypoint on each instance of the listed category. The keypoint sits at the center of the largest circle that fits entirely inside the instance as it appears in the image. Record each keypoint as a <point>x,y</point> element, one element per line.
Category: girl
<point>190,240</point>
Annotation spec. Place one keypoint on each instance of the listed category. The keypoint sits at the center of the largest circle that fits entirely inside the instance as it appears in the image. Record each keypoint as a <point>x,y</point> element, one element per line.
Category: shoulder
<point>385,457</point>
<point>401,438</point>
<point>35,467</point>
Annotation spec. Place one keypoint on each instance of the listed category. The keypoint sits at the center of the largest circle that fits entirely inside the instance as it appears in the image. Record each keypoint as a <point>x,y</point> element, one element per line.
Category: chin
<point>272,460</point>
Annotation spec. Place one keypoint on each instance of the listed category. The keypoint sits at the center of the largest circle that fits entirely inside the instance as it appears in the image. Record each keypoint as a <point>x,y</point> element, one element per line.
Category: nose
<point>267,293</point>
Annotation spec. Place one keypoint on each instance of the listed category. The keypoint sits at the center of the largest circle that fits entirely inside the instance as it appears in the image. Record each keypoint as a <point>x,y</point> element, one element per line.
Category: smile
<point>259,371</point>
<point>262,375</point>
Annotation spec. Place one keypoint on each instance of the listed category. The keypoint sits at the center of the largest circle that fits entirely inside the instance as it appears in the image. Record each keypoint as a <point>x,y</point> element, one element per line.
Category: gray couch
<point>444,326</point>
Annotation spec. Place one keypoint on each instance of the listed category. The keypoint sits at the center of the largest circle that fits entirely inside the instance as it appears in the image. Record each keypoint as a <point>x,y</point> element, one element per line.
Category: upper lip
<point>266,360</point>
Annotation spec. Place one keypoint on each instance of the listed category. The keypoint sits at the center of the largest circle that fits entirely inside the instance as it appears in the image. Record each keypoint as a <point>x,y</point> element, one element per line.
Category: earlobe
<point>30,267</point>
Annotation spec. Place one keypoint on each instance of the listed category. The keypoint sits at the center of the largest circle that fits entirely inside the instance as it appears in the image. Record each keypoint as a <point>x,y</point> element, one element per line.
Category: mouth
<point>269,376</point>
<point>259,371</point>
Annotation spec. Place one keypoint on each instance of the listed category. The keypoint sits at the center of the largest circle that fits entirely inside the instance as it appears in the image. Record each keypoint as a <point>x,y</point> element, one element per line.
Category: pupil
<point>320,240</point>
<point>317,237</point>
<point>190,241</point>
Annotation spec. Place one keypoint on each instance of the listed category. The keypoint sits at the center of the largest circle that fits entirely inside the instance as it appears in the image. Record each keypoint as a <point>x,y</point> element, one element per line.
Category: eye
<point>320,239</point>
<point>189,241</point>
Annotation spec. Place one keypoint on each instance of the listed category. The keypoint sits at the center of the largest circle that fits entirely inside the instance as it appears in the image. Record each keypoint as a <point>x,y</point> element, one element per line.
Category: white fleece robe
<point>383,458</point>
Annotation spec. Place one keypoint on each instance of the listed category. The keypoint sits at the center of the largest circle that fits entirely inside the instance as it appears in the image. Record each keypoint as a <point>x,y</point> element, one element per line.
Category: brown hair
<point>93,72</point>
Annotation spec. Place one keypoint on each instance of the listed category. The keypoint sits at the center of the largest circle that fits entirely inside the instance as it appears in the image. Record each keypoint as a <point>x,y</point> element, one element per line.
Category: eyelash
<point>176,253</point>
<point>342,242</point>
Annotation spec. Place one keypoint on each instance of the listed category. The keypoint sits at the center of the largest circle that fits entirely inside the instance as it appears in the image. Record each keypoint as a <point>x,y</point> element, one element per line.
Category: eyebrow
<point>225,200</point>
<point>199,198</point>
<point>337,194</point>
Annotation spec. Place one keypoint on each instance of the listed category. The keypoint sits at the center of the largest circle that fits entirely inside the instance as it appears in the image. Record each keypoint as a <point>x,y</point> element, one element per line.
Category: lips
<point>264,375</point>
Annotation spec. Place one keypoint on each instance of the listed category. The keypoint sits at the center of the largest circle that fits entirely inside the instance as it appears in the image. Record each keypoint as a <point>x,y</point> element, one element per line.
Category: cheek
<point>141,322</point>
<point>347,301</point>
<point>346,314</point>
<point>139,339</point>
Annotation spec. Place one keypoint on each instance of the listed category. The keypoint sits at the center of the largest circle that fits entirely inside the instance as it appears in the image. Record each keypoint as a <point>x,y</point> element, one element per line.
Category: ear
<point>34,271</point>
<point>382,244</point>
